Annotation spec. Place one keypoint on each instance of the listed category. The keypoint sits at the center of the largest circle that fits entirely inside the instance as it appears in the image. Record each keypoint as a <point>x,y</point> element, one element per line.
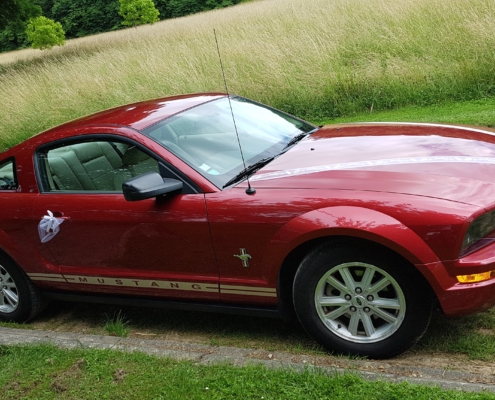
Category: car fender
<point>19,255</point>
<point>356,222</point>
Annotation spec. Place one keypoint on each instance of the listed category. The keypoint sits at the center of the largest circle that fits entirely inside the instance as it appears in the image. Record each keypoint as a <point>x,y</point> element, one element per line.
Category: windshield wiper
<point>249,170</point>
<point>298,138</point>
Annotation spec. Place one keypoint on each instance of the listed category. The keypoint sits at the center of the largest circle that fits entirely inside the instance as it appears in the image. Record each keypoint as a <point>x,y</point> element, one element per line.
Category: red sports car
<point>216,202</point>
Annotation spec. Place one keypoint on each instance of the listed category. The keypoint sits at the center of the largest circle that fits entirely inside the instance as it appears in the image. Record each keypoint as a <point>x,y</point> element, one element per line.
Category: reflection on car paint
<point>373,163</point>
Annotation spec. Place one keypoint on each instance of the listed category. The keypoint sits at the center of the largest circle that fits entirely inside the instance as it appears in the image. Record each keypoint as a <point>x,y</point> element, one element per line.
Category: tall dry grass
<point>309,57</point>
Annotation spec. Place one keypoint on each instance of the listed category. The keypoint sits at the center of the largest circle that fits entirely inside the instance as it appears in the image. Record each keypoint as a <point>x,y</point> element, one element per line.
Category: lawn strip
<point>46,372</point>
<point>209,355</point>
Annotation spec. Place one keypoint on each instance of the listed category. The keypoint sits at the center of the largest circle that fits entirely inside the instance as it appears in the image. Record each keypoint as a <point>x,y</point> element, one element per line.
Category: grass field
<point>44,372</point>
<point>314,58</point>
<point>474,112</point>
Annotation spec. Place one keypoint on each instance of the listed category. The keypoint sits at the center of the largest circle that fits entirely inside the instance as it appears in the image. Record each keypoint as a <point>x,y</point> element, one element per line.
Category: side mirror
<point>149,185</point>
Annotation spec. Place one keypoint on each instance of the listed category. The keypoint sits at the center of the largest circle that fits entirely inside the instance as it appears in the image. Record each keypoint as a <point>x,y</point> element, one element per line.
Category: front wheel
<point>360,302</point>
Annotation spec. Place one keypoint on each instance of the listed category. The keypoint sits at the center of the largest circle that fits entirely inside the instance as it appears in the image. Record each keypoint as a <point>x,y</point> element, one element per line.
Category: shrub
<point>44,33</point>
<point>138,12</point>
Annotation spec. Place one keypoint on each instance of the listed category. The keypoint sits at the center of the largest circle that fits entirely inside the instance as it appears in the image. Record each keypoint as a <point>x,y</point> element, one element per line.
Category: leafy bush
<point>138,12</point>
<point>44,33</point>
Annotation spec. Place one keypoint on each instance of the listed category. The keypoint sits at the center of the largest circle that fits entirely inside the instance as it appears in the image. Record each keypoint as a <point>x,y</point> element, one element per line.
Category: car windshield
<point>205,136</point>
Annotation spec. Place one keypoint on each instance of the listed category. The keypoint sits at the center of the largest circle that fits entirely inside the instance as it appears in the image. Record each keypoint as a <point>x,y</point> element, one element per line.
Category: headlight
<point>480,233</point>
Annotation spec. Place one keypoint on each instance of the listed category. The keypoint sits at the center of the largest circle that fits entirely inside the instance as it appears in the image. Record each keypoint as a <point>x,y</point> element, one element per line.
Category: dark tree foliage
<point>17,11</point>
<point>180,8</point>
<point>46,7</point>
<point>14,15</point>
<point>84,17</point>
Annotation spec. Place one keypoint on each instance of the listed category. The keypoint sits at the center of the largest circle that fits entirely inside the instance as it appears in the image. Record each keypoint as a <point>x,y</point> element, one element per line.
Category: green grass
<point>16,325</point>
<point>45,372</point>
<point>118,325</point>
<point>476,112</point>
<point>314,58</point>
<point>473,336</point>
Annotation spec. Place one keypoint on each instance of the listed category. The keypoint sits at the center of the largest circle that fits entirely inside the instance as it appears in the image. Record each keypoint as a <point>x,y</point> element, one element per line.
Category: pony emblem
<point>244,257</point>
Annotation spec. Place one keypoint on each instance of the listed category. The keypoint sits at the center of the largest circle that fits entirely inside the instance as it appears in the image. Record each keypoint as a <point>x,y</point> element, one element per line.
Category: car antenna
<point>250,190</point>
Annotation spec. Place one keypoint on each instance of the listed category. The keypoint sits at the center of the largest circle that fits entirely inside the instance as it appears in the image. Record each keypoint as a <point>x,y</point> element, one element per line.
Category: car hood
<point>448,162</point>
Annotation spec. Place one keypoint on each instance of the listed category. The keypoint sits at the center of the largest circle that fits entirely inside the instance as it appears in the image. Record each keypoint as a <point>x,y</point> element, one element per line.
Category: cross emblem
<point>244,257</point>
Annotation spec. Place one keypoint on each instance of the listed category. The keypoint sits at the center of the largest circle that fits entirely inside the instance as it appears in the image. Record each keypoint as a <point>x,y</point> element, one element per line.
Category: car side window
<point>96,166</point>
<point>8,179</point>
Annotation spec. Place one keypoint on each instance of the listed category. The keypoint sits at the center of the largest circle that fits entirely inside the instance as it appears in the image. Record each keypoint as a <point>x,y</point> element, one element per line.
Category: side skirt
<point>176,305</point>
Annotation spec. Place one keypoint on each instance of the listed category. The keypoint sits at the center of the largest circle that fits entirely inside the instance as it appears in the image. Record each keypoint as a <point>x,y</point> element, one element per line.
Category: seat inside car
<point>85,166</point>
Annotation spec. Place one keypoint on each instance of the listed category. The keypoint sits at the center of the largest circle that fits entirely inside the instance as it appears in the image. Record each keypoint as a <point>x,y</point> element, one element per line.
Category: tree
<point>44,33</point>
<point>15,12</point>
<point>138,12</point>
<point>85,17</point>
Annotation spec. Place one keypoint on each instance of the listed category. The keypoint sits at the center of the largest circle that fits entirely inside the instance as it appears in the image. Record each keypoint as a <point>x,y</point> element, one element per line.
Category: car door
<point>157,247</point>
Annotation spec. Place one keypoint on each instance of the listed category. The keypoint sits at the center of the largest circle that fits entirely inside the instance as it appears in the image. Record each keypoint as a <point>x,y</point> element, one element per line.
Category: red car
<point>213,202</point>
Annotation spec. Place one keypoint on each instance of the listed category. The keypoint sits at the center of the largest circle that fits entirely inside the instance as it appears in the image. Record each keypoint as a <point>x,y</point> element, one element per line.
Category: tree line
<point>77,18</point>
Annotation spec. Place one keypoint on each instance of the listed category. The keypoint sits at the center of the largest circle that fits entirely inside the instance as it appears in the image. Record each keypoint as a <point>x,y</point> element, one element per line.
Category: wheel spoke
<point>337,313</point>
<point>369,328</point>
<point>380,285</point>
<point>11,297</point>
<point>333,302</point>
<point>348,279</point>
<point>384,315</point>
<point>367,278</point>
<point>387,303</point>
<point>336,284</point>
<point>353,324</point>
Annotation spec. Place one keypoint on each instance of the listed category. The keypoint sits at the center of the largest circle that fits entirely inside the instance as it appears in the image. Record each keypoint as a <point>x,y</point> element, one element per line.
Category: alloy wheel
<point>9,295</point>
<point>360,302</point>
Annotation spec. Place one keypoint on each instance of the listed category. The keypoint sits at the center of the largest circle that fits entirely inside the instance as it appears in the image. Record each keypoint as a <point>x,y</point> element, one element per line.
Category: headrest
<point>134,156</point>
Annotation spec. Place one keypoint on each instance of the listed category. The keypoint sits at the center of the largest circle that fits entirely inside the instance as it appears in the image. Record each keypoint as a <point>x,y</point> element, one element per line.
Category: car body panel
<point>381,160</point>
<point>167,240</point>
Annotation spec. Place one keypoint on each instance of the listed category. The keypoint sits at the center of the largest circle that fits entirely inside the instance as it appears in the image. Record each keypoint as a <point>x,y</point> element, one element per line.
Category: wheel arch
<point>28,300</point>
<point>25,257</point>
<point>9,249</point>
<point>333,225</point>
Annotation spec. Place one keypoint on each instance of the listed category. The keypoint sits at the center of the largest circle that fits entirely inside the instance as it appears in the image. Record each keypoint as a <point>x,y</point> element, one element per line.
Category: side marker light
<point>473,278</point>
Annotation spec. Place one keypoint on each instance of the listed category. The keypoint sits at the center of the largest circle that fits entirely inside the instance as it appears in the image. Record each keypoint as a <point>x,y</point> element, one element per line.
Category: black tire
<point>338,301</point>
<point>20,300</point>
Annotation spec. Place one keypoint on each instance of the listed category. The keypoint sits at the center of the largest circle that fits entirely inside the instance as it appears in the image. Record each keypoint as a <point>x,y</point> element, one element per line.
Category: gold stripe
<point>125,282</point>
<point>253,288</point>
<point>46,276</point>
<point>157,284</point>
<point>42,278</point>
<point>260,294</point>
<point>142,283</point>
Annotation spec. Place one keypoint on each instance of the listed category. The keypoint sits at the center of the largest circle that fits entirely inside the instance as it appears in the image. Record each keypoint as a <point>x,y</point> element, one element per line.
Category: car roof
<point>145,113</point>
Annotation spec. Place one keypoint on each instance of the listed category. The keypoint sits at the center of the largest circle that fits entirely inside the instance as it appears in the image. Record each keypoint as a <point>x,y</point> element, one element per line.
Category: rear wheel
<point>360,302</point>
<point>20,300</point>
